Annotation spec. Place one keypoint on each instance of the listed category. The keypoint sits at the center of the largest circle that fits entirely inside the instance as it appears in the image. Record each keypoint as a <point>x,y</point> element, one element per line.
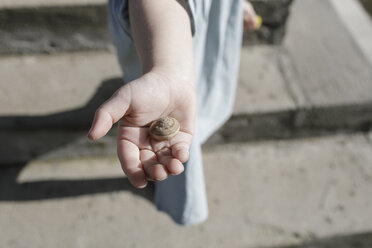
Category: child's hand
<point>135,106</point>
<point>251,21</point>
<point>163,41</point>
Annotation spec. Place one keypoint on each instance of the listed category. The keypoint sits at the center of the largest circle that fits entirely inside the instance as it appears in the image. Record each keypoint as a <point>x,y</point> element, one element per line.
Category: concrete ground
<point>57,189</point>
<point>260,194</point>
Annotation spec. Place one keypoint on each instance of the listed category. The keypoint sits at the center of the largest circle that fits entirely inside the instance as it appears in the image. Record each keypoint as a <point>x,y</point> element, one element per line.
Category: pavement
<point>260,194</point>
<point>292,168</point>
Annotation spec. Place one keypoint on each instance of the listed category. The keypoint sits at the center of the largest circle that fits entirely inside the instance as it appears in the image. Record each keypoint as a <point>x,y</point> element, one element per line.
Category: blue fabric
<point>217,43</point>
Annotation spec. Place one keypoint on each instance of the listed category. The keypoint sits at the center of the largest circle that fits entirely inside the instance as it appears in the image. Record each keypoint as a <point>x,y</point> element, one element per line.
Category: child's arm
<point>163,39</point>
<point>162,36</point>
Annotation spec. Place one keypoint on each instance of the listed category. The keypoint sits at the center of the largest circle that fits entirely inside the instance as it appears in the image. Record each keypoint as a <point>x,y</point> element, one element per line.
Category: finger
<point>246,25</point>
<point>174,166</point>
<point>251,26</point>
<point>153,169</point>
<point>129,157</point>
<point>181,137</point>
<point>109,112</point>
<point>180,151</point>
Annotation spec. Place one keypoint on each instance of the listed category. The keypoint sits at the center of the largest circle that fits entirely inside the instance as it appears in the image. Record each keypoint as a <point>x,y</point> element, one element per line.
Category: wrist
<point>174,75</point>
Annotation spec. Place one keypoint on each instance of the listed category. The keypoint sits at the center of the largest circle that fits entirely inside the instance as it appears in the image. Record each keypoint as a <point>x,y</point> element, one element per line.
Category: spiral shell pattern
<point>164,128</point>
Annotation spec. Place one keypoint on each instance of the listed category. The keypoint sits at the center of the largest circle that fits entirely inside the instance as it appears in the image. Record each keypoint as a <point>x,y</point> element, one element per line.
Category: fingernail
<point>150,179</point>
<point>144,186</point>
<point>160,179</point>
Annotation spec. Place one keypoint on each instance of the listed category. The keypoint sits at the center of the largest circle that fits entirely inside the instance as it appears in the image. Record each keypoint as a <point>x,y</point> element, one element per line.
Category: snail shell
<point>164,128</point>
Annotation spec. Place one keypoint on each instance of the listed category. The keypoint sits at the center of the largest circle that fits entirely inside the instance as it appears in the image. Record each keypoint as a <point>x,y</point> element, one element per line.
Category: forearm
<point>162,35</point>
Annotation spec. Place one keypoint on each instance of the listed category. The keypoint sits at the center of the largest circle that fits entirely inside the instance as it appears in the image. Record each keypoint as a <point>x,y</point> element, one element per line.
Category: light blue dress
<point>217,42</point>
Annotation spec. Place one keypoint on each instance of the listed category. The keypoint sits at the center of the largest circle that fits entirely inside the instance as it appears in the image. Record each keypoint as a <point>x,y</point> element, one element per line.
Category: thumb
<point>109,113</point>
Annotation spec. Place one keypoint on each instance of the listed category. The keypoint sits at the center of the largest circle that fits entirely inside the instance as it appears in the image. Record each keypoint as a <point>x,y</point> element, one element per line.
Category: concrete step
<point>53,26</point>
<point>34,4</point>
<point>47,101</point>
<point>326,65</point>
<point>41,26</point>
<point>56,96</point>
<point>312,192</point>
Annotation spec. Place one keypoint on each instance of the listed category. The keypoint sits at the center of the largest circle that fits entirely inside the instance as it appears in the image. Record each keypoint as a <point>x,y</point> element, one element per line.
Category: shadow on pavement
<point>52,132</point>
<point>359,240</point>
<point>71,119</point>
<point>11,190</point>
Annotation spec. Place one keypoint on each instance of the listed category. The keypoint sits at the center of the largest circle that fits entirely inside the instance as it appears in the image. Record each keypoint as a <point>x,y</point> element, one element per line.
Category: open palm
<point>137,104</point>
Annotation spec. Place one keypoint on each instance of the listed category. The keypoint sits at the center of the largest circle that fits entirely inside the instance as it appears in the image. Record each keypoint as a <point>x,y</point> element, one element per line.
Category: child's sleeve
<point>190,8</point>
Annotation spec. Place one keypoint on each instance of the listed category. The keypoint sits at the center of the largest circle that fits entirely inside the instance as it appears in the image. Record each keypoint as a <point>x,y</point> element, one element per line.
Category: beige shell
<point>164,128</point>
